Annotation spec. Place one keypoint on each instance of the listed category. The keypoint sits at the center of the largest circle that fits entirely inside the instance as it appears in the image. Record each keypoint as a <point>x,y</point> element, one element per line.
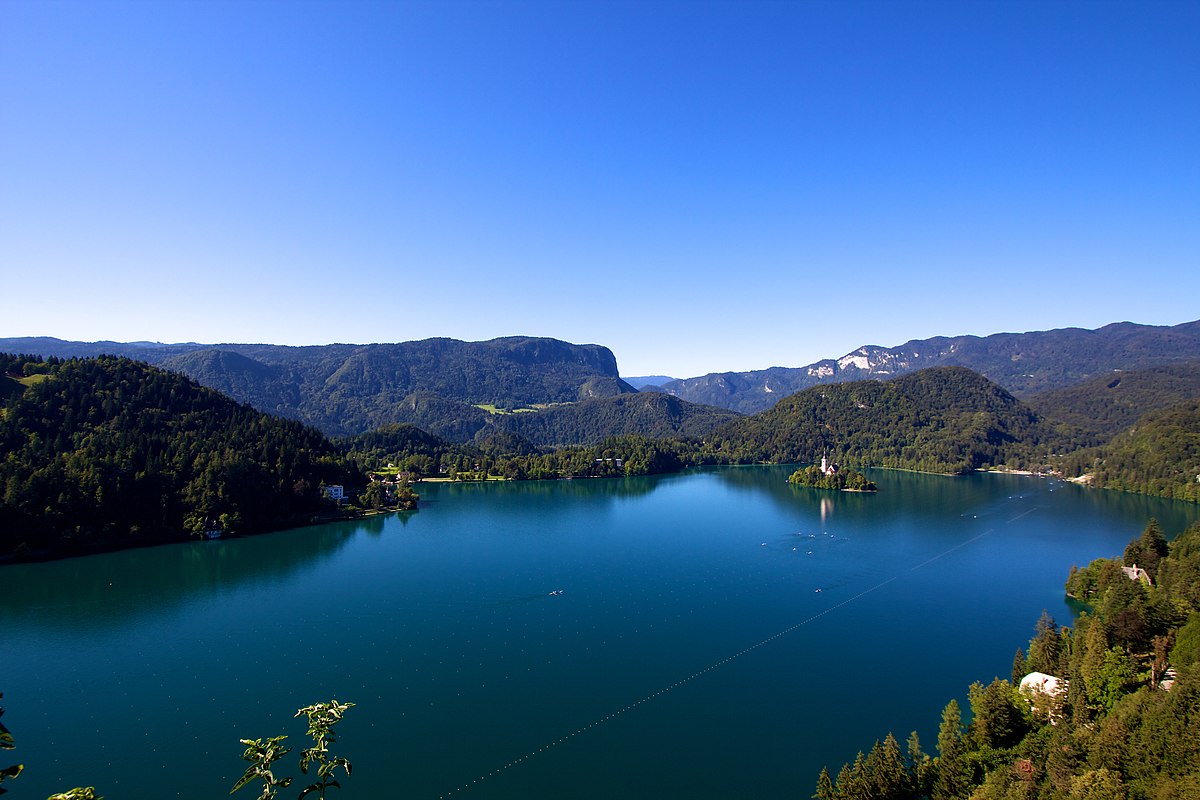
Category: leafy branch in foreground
<point>6,743</point>
<point>263,753</point>
<point>321,719</point>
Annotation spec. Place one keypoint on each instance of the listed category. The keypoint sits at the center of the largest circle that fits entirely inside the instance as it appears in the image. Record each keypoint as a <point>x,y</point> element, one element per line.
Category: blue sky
<point>699,186</point>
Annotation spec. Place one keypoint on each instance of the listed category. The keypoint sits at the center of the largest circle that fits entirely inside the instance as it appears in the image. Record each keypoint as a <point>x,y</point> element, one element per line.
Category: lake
<point>713,634</point>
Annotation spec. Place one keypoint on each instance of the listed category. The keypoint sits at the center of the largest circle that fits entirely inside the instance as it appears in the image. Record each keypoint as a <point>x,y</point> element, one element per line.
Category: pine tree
<point>920,768</point>
<point>953,777</point>
<point>825,790</point>
<point>1020,667</point>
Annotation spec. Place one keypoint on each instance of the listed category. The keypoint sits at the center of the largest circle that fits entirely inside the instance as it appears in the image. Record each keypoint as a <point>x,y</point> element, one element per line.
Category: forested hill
<point>346,389</point>
<point>108,452</point>
<point>651,414</point>
<point>1023,363</point>
<point>945,419</point>
<point>1105,406</point>
<point>1159,455</point>
<point>584,423</point>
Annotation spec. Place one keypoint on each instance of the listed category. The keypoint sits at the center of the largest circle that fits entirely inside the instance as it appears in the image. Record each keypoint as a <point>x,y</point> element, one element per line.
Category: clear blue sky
<point>699,186</point>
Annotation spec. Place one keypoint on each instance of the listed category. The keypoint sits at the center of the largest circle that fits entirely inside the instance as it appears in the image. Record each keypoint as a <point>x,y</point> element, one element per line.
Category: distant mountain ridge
<point>348,388</point>
<point>1023,363</point>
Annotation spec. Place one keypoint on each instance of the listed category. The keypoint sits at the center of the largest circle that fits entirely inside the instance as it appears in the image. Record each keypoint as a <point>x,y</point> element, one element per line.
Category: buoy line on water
<point>601,720</point>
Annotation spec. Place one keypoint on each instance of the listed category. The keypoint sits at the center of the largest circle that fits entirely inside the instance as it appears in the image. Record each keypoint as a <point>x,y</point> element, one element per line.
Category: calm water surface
<point>717,634</point>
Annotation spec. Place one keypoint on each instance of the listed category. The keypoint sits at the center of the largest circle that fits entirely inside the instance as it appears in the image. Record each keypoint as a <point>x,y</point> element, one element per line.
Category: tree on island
<point>847,480</point>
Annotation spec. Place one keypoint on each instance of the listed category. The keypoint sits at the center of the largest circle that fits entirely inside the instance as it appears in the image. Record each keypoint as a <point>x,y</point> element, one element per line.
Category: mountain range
<point>1023,363</point>
<point>345,389</point>
<point>556,393</point>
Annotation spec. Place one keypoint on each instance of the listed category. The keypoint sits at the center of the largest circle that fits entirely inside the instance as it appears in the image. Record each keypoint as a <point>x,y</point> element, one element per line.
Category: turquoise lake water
<point>712,634</point>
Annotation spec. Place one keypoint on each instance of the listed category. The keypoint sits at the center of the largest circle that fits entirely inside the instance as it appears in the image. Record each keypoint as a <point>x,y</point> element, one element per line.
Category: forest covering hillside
<point>945,419</point>
<point>1159,455</point>
<point>559,425</point>
<point>1023,363</point>
<point>107,452</point>
<point>1119,721</point>
<point>653,415</point>
<point>1096,410</point>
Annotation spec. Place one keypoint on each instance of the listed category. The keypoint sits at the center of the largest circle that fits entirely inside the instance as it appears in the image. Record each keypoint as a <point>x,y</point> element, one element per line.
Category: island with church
<point>830,476</point>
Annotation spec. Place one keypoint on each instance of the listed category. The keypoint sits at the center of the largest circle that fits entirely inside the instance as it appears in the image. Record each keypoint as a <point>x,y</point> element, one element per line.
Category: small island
<point>829,476</point>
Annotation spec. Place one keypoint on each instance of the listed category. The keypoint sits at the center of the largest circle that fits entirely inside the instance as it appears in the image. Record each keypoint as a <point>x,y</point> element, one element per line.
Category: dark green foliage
<point>322,717</point>
<point>841,481</point>
<point>1100,408</point>
<point>952,773</point>
<point>262,753</point>
<point>999,718</point>
<point>108,453</point>
<point>1020,667</point>
<point>939,420</point>
<point>1148,549</point>
<point>1178,581</point>
<point>447,419</point>
<point>1160,455</point>
<point>589,422</point>
<point>510,456</point>
<point>880,775</point>
<point>1186,652</point>
<point>1117,733</point>
<point>1045,649</point>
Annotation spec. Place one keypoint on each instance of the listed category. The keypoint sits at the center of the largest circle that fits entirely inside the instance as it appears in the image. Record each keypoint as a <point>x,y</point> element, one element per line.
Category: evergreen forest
<point>106,453</point>
<point>1118,720</point>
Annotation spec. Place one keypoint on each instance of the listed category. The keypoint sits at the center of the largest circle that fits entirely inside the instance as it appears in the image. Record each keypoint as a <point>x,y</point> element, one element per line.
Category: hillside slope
<point>1159,455</point>
<point>107,453</point>
<point>651,414</point>
<point>1104,406</point>
<point>944,419</point>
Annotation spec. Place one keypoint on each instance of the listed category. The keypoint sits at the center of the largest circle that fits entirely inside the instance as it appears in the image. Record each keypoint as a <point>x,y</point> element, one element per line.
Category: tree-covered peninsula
<point>107,453</point>
<point>1108,710</point>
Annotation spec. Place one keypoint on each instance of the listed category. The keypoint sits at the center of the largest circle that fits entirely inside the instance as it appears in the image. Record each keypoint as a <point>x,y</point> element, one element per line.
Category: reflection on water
<point>124,584</point>
<point>685,626</point>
